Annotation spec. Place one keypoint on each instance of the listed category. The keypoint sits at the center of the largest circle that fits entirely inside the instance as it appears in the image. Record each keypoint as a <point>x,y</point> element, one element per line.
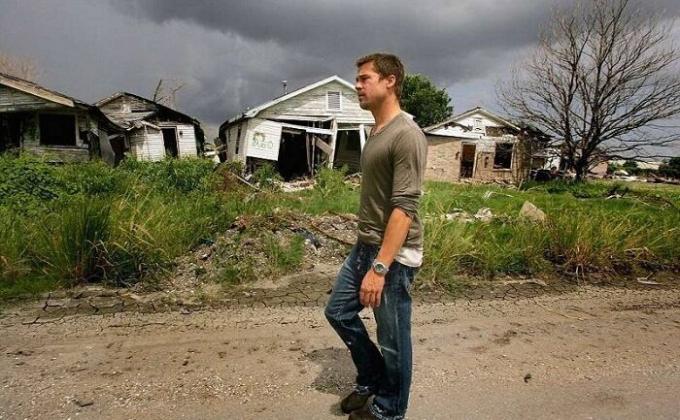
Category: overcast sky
<point>234,54</point>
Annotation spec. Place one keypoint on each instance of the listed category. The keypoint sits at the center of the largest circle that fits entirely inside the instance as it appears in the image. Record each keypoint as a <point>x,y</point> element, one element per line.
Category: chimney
<point>285,86</point>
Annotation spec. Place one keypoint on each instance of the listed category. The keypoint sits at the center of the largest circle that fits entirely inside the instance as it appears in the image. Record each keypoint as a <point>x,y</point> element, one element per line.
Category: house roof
<point>36,90</point>
<point>477,110</point>
<point>129,122</point>
<point>254,111</point>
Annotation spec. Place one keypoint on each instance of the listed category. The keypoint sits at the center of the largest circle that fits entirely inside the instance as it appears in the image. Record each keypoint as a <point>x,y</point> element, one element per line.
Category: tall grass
<point>89,222</point>
<point>80,223</point>
<point>75,241</point>
<point>585,232</point>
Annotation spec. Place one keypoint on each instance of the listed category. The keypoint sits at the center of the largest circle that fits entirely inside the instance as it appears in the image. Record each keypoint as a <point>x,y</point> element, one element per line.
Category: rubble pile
<point>243,252</point>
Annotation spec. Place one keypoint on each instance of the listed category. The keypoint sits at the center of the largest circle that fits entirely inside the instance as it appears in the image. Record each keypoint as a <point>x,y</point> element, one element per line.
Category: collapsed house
<point>319,124</point>
<point>47,123</point>
<point>152,131</point>
<point>481,146</point>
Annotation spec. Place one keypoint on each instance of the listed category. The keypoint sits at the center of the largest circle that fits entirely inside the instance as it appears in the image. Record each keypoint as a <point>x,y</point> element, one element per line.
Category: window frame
<point>496,165</point>
<point>328,97</point>
<point>41,132</point>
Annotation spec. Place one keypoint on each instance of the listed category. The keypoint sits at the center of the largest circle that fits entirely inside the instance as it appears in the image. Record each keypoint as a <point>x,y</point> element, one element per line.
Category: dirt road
<point>593,353</point>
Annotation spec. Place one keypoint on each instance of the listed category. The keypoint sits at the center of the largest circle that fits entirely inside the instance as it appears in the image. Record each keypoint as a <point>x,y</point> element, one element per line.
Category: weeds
<point>267,178</point>
<point>77,223</point>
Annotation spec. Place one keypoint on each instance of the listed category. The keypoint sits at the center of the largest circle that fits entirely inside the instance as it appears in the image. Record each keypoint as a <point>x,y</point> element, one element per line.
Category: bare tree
<point>601,82</point>
<point>166,93</point>
<point>17,66</point>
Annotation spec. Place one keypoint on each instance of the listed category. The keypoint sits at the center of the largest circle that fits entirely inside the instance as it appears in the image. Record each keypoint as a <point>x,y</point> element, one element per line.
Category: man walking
<point>380,269</point>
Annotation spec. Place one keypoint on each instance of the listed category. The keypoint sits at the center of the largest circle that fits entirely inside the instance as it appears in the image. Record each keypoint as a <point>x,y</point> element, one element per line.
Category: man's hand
<point>371,289</point>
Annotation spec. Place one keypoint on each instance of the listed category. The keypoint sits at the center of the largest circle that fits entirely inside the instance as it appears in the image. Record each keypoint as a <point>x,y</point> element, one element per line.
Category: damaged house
<point>152,131</point>
<point>478,145</point>
<point>319,124</point>
<point>44,122</point>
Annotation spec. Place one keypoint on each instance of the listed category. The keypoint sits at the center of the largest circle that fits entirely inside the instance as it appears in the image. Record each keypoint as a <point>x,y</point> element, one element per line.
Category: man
<point>380,269</point>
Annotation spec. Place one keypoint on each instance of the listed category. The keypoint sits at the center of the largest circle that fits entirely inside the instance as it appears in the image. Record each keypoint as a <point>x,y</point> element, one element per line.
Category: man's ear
<point>391,81</point>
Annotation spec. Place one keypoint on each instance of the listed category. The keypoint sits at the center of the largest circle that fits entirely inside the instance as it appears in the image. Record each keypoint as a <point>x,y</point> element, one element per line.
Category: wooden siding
<point>268,141</point>
<point>136,105</point>
<point>314,104</point>
<point>231,142</point>
<point>147,144</point>
<point>186,140</point>
<point>138,109</point>
<point>12,100</point>
<point>61,153</point>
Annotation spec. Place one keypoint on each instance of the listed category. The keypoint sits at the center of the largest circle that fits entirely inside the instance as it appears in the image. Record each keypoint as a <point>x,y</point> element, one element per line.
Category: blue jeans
<point>385,372</point>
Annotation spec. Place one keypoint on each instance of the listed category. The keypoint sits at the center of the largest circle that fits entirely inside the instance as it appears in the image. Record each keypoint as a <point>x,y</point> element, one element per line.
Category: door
<point>467,161</point>
<point>170,141</point>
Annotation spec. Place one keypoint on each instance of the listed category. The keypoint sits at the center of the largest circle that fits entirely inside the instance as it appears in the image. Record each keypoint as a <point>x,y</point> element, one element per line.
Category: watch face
<point>379,268</point>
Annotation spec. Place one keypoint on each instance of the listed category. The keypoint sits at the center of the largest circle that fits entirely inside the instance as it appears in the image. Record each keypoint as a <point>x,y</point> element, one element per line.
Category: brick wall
<point>443,159</point>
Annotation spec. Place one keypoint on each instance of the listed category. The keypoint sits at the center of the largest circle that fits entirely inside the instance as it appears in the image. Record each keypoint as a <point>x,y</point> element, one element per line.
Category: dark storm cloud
<point>434,37</point>
<point>234,54</point>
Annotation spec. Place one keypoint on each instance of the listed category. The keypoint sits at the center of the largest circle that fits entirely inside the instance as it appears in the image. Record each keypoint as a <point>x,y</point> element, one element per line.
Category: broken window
<point>503,157</point>
<point>334,101</point>
<point>57,130</point>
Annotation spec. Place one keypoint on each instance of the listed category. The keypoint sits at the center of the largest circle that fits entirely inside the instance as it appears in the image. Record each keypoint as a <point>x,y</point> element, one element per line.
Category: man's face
<point>372,89</point>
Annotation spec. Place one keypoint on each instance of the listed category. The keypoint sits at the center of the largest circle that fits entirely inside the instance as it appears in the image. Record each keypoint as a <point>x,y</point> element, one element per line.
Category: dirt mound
<point>257,247</point>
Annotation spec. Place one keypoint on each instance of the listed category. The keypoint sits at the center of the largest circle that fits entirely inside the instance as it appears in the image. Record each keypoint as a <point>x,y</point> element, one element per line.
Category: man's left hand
<point>371,289</point>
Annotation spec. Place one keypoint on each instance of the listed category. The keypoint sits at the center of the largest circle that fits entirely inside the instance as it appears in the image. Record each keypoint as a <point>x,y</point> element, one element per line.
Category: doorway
<point>10,132</point>
<point>348,150</point>
<point>467,161</point>
<point>293,155</point>
<point>170,141</point>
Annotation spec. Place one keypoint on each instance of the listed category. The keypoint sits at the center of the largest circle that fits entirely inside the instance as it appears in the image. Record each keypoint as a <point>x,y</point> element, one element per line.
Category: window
<point>477,124</point>
<point>57,130</point>
<point>333,101</point>
<point>503,156</point>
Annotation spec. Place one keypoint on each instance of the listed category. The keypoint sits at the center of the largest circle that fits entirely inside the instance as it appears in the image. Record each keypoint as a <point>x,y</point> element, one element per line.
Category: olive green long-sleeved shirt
<point>392,165</point>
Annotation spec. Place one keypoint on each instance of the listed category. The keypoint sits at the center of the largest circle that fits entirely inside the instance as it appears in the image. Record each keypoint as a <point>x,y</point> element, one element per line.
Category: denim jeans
<point>385,372</point>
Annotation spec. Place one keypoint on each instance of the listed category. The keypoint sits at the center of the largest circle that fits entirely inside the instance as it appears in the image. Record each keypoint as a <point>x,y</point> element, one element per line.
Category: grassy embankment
<point>70,224</point>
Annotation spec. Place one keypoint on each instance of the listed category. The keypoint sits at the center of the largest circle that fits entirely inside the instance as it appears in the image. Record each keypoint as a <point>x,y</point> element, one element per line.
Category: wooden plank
<point>325,147</point>
<point>37,91</point>
<point>307,129</point>
<point>334,138</point>
<point>362,136</point>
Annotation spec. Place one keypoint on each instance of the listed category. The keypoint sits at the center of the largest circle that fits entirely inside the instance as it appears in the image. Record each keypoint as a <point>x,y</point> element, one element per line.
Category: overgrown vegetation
<point>591,228</point>
<point>73,224</point>
<point>88,222</point>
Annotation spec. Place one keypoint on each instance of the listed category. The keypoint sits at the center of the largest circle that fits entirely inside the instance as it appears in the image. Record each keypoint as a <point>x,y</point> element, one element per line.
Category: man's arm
<point>395,235</point>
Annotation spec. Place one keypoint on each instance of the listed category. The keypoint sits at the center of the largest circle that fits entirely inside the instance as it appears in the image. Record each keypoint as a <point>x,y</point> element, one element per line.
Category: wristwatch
<point>379,268</point>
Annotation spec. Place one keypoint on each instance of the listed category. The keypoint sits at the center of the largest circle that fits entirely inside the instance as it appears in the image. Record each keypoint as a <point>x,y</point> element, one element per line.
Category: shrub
<point>331,182</point>
<point>25,179</point>
<point>267,177</point>
<point>170,175</point>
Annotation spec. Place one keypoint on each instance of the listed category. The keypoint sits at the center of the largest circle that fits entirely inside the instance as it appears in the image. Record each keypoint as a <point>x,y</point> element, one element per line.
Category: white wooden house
<point>152,130</point>
<point>480,145</point>
<point>319,124</point>
<point>44,122</point>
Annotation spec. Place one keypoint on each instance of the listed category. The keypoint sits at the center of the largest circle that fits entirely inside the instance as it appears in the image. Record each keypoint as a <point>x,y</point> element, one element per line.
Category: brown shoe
<point>353,401</point>
<point>362,414</point>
